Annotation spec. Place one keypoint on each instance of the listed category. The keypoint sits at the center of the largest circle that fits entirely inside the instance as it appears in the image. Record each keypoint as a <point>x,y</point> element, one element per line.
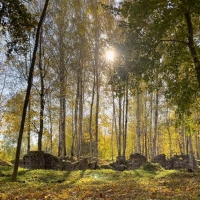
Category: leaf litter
<point>101,184</point>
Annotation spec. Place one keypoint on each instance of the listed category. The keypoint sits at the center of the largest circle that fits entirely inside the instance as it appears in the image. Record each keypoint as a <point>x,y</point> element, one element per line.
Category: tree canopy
<point>16,23</point>
<point>163,36</point>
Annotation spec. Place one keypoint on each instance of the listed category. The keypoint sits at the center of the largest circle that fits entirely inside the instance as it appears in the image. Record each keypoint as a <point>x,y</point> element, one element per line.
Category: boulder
<point>121,160</point>
<point>136,161</point>
<point>121,167</point>
<point>81,164</point>
<point>161,159</point>
<point>92,165</point>
<point>180,162</point>
<point>175,162</point>
<point>66,165</point>
<point>51,162</point>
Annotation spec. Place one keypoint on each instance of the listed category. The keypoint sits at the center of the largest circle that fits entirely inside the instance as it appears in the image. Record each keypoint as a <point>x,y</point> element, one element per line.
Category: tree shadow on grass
<point>77,178</point>
<point>6,173</point>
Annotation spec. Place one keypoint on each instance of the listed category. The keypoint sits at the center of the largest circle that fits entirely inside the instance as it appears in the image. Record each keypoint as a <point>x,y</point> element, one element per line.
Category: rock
<point>51,162</point>
<point>181,162</point>
<point>121,167</point>
<point>40,160</point>
<point>121,160</point>
<point>81,164</point>
<point>67,166</point>
<point>34,160</point>
<point>175,162</point>
<point>92,165</point>
<point>161,159</point>
<point>136,161</point>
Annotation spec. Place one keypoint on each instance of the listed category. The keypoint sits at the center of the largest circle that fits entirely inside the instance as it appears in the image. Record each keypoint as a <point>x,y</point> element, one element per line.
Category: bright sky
<point>110,56</point>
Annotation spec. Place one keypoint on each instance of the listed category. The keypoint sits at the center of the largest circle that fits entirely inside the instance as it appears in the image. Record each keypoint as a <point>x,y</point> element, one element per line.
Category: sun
<point>110,56</point>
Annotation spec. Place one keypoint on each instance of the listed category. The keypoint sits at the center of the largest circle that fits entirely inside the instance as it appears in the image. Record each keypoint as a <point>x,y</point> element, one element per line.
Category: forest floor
<point>99,184</point>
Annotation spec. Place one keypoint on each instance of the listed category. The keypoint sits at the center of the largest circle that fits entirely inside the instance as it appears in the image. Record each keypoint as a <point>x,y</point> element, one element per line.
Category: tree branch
<point>171,40</point>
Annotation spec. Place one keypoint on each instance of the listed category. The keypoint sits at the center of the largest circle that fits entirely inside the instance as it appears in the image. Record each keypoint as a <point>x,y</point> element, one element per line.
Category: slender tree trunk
<point>97,36</point>
<point>76,118</point>
<point>73,134</point>
<point>112,138</point>
<point>197,145</point>
<point>187,145</point>
<point>145,128</point>
<point>191,160</point>
<point>97,121</point>
<point>62,118</point>
<point>155,125</point>
<point>115,128</point>
<point>120,126</point>
<point>62,88</point>
<point>62,124</point>
<point>29,111</point>
<point>30,80</point>
<point>79,108</point>
<point>50,122</point>
<point>29,129</point>
<point>169,133</point>
<point>151,125</point>
<point>51,130</point>
<point>126,120</point>
<point>42,101</point>
<point>183,137</point>
<point>90,120</point>
<point>123,119</point>
<point>81,112</point>
<point>138,142</point>
<point>91,112</point>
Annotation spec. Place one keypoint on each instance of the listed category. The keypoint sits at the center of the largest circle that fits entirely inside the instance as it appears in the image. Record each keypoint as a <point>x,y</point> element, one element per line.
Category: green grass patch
<point>99,184</point>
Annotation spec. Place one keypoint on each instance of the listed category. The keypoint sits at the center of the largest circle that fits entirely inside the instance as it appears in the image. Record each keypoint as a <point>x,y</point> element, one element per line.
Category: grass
<point>99,184</point>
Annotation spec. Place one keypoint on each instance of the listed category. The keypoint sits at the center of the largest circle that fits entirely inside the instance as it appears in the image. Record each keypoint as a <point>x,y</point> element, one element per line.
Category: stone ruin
<point>135,161</point>
<point>41,160</point>
<point>175,162</point>
<point>161,159</point>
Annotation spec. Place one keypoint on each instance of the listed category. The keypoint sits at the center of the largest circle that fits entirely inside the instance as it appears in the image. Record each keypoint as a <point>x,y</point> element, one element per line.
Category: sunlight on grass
<point>99,184</point>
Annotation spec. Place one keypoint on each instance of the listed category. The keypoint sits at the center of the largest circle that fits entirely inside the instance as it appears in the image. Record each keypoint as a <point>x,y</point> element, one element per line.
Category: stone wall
<point>34,160</point>
<point>51,162</point>
<point>161,159</point>
<point>41,160</point>
<point>136,161</point>
<point>175,162</point>
<point>180,162</point>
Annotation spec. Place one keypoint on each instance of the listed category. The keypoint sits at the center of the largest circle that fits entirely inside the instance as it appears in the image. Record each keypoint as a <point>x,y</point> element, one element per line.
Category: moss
<point>149,166</point>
